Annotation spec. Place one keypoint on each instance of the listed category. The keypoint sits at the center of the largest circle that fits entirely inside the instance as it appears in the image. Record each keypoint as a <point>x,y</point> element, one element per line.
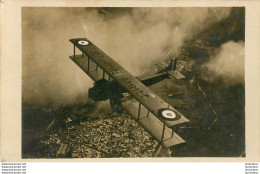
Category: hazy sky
<point>135,37</point>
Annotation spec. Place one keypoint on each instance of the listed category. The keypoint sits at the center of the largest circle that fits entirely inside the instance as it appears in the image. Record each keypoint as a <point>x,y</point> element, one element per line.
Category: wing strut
<point>74,51</point>
<point>139,110</point>
<point>163,132</point>
<point>162,139</point>
<point>88,64</point>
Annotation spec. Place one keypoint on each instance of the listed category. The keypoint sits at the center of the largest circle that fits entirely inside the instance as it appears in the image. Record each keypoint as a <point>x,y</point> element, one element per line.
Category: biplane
<point>129,93</point>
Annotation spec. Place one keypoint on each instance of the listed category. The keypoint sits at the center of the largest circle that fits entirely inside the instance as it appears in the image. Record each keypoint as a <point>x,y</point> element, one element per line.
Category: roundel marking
<point>83,42</point>
<point>168,114</point>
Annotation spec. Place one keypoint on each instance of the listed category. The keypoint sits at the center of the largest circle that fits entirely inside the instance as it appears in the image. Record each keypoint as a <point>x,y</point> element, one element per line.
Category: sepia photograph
<point>132,82</point>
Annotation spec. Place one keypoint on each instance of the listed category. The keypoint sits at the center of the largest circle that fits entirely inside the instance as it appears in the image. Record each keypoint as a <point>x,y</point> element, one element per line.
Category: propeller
<point>115,98</point>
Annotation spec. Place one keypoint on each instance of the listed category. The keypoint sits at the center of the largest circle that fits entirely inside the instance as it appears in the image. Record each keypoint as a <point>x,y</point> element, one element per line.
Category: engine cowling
<point>100,90</point>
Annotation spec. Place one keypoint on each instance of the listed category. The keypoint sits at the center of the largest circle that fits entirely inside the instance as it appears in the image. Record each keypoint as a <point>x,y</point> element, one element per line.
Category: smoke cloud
<point>134,37</point>
<point>228,62</point>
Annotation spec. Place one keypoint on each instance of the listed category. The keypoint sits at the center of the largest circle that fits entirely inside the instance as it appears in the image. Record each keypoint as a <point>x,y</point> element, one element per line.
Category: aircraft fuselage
<point>104,89</point>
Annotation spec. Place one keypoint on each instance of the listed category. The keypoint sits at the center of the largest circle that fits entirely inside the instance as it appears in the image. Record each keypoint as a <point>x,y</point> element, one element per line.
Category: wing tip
<point>176,139</point>
<point>76,39</point>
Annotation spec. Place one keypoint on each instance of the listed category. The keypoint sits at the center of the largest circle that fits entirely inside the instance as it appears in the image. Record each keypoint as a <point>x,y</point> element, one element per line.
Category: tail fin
<point>175,63</point>
<point>170,67</point>
<point>175,73</point>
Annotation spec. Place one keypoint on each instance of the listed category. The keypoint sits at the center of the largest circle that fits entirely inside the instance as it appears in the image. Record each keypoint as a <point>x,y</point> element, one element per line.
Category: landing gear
<point>116,105</point>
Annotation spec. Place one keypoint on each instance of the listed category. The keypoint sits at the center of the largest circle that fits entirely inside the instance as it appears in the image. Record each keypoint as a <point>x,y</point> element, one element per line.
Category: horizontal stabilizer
<point>176,74</point>
<point>170,69</point>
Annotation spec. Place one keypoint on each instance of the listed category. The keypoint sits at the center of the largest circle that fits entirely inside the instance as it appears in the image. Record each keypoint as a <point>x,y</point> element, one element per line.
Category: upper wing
<point>138,90</point>
<point>87,66</point>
